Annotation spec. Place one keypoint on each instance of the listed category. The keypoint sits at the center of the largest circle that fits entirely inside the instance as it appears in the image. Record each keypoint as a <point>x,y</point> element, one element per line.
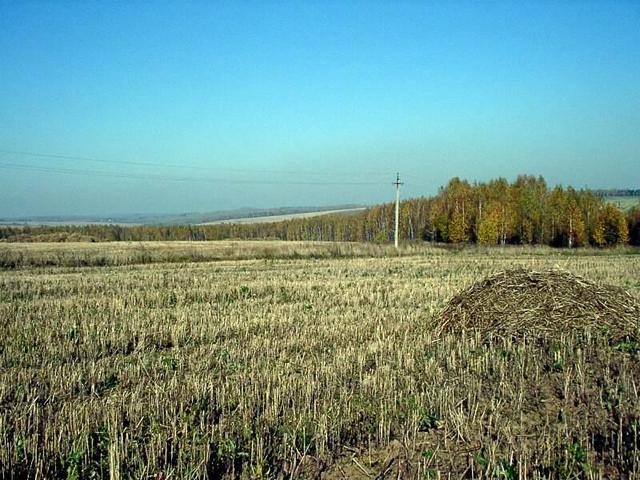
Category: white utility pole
<point>397,183</point>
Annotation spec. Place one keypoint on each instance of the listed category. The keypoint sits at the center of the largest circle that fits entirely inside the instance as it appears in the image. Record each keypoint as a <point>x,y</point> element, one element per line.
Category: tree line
<point>525,211</point>
<point>618,192</point>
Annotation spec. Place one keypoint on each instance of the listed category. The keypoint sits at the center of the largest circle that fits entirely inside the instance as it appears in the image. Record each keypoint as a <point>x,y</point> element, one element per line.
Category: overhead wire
<point>102,173</point>
<point>184,166</point>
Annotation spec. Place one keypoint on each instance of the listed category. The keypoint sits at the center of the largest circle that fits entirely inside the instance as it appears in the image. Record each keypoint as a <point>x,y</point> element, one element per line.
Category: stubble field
<point>308,361</point>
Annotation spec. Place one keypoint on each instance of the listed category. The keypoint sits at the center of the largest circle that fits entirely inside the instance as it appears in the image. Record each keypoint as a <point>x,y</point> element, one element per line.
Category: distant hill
<point>285,216</point>
<point>240,215</point>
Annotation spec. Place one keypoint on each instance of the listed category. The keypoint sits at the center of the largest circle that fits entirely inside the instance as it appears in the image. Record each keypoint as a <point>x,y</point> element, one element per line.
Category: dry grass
<point>301,368</point>
<point>85,254</point>
<point>547,303</point>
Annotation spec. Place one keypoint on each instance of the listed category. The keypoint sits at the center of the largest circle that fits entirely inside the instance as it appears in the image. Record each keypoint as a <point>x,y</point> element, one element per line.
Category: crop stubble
<point>302,368</point>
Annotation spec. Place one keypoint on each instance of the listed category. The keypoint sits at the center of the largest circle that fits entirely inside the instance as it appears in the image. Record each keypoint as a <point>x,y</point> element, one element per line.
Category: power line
<point>102,173</point>
<point>168,165</point>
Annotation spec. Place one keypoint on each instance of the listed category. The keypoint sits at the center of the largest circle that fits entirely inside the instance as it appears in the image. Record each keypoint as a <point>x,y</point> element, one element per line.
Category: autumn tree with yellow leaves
<point>610,228</point>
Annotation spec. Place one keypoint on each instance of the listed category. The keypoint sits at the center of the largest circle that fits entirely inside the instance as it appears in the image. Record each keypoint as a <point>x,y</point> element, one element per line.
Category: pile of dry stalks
<point>518,303</point>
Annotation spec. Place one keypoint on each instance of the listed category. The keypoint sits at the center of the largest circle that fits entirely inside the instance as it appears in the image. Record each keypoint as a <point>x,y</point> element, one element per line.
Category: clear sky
<point>260,104</point>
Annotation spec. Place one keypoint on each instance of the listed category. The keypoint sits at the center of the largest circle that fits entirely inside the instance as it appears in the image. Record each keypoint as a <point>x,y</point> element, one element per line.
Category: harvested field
<point>302,368</point>
<point>547,303</point>
<point>84,254</point>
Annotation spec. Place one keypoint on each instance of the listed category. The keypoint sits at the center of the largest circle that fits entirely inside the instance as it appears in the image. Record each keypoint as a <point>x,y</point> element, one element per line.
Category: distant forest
<point>614,192</point>
<point>525,211</point>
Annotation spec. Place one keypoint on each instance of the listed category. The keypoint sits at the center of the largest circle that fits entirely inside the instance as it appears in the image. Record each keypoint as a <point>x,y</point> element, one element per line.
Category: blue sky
<point>304,98</point>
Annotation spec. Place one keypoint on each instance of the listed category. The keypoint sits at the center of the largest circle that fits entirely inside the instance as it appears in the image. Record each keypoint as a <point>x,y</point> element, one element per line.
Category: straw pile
<point>518,303</point>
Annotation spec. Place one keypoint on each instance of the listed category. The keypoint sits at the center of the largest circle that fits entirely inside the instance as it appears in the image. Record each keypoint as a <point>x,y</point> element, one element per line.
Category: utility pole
<point>397,183</point>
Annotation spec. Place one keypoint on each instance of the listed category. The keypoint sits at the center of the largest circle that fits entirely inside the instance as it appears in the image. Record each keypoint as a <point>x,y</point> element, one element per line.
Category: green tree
<point>489,228</point>
<point>529,194</point>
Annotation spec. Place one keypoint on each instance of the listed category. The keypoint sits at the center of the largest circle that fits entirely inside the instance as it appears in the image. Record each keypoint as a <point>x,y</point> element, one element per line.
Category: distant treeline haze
<point>618,192</point>
<point>525,211</point>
